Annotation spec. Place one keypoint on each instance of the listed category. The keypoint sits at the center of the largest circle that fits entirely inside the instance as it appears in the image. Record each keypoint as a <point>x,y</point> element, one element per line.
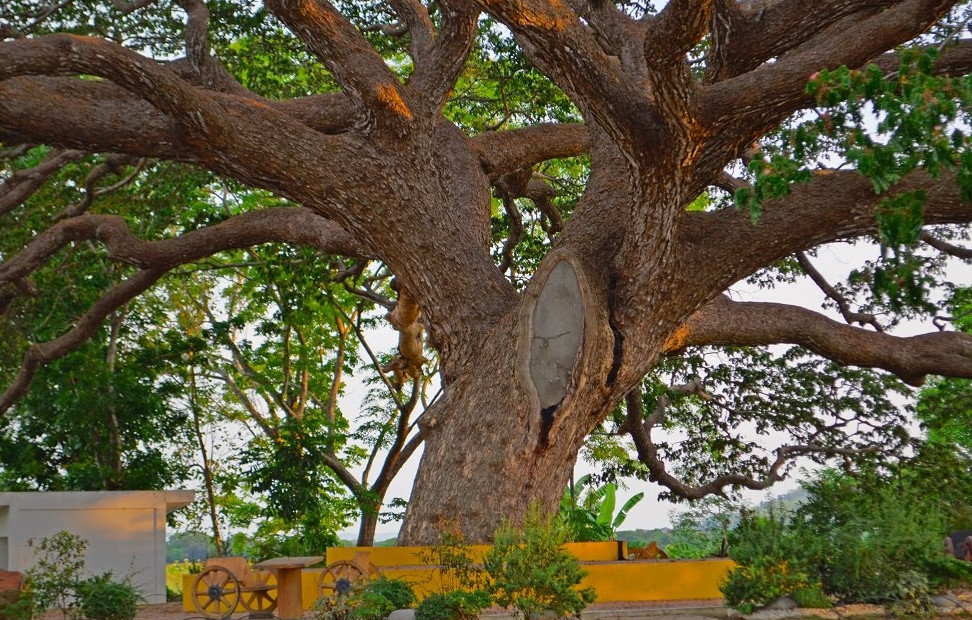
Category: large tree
<point>698,99</point>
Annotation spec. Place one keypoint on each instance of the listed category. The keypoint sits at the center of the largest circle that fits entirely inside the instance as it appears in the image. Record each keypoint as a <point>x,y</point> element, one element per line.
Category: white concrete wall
<point>125,530</point>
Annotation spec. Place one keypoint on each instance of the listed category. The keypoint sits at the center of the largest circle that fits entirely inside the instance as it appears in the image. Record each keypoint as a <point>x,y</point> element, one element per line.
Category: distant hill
<point>789,500</point>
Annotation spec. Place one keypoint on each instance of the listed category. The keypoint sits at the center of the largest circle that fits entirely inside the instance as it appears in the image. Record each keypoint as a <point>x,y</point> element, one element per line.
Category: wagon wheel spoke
<point>216,592</point>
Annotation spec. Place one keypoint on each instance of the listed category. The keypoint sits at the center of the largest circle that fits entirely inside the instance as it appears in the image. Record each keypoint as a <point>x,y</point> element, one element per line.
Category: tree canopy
<point>551,199</point>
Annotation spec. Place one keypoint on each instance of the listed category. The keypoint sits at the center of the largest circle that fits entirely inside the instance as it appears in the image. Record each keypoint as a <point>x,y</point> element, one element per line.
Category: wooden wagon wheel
<point>262,597</point>
<point>215,592</point>
<point>339,577</point>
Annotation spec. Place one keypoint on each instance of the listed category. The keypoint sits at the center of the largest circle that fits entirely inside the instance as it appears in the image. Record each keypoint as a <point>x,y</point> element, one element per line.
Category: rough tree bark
<point>379,172</point>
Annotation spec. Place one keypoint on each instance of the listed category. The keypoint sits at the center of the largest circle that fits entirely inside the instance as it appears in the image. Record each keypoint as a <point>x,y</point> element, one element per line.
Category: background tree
<point>714,141</point>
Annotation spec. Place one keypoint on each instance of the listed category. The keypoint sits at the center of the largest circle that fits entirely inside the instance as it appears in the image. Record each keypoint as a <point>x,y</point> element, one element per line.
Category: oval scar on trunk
<point>557,328</point>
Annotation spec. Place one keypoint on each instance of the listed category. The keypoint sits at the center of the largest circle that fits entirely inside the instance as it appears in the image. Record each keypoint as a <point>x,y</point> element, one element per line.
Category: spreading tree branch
<point>725,322</point>
<point>831,207</point>
<point>743,107</point>
<point>945,247</point>
<point>155,259</point>
<point>505,152</point>
<point>45,352</point>
<point>438,67</point>
<point>63,54</point>
<point>355,63</point>
<point>22,184</point>
<point>287,224</point>
<point>640,428</point>
<point>849,315</point>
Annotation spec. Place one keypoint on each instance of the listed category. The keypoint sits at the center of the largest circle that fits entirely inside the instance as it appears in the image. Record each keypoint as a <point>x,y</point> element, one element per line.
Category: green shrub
<point>371,601</point>
<point>909,595</point>
<point>458,569</point>
<point>453,605</point>
<point>17,606</point>
<point>761,582</point>
<point>949,572</point>
<point>380,597</point>
<point>104,599</point>
<point>58,566</point>
<point>530,571</point>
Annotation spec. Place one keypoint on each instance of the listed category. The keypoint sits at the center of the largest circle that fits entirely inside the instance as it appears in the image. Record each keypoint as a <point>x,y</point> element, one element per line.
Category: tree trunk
<point>369,523</point>
<point>529,400</point>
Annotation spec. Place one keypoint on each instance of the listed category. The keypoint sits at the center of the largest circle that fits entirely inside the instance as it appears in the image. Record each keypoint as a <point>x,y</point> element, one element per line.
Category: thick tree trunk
<point>530,397</point>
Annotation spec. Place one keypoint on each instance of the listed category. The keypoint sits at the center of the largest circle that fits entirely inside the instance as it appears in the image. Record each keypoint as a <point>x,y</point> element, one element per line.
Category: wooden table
<point>290,593</point>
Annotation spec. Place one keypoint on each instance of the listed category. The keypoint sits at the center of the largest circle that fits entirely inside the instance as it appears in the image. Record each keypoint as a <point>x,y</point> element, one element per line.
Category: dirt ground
<point>655,609</point>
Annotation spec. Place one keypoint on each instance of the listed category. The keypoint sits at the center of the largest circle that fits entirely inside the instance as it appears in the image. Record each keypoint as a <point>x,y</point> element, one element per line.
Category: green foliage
<point>875,537</point>
<point>17,605</point>
<point>57,570</point>
<point>948,572</point>
<point>373,601</point>
<point>530,571</point>
<point>102,598</point>
<point>588,512</point>
<point>886,125</point>
<point>762,581</point>
<point>453,605</point>
<point>458,567</point>
<point>685,551</point>
<point>811,597</point>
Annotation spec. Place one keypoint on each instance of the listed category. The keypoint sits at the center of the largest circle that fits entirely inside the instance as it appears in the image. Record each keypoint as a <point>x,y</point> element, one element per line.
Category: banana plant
<point>588,511</point>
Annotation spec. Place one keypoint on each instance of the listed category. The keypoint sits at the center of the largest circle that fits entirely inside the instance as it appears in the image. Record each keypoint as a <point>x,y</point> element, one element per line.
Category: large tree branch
<point>831,207</point>
<point>725,322</point>
<point>777,89</point>
<point>438,68</point>
<point>504,152</point>
<point>155,258</point>
<point>355,63</point>
<point>106,117</point>
<point>957,251</point>
<point>562,47</point>
<point>745,38</point>
<point>62,54</point>
<point>676,29</point>
<point>295,225</point>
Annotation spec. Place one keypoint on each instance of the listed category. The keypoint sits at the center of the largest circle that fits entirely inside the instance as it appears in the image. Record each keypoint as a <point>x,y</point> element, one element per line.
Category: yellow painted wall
<point>657,580</point>
<point>645,580</point>
<point>411,556</point>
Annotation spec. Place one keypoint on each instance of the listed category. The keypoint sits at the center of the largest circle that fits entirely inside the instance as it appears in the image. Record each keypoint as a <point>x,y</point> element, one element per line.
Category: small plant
<point>58,566</point>
<point>372,601</point>
<point>763,581</point>
<point>19,606</point>
<point>811,597</point>
<point>381,596</point>
<point>458,568</point>
<point>531,571</point>
<point>105,599</point>
<point>453,605</point>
